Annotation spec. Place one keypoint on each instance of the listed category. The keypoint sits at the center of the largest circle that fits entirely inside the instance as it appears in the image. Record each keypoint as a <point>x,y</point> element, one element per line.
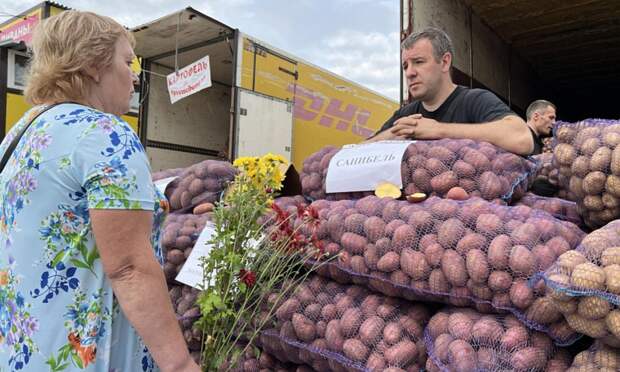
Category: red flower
<point>320,246</point>
<point>297,242</point>
<point>247,277</point>
<point>301,210</point>
<point>281,214</point>
<point>312,213</point>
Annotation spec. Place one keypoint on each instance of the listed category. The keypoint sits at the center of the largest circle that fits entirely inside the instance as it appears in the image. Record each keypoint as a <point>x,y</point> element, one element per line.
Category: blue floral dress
<point>57,309</point>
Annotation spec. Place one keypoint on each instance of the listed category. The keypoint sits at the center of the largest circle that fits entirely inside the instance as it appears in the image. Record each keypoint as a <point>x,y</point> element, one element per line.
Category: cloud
<point>369,58</point>
<point>357,39</point>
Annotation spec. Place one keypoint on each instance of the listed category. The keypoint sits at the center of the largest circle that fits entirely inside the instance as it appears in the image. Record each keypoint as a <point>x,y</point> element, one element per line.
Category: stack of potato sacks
<point>587,156</point>
<point>585,285</point>
<point>396,261</point>
<point>191,196</point>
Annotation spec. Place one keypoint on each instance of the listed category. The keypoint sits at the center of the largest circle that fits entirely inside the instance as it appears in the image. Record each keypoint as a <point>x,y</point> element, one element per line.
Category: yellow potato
<point>592,328</point>
<point>588,276</point>
<point>569,260</point>
<point>593,307</point>
<point>606,358</point>
<point>566,307</point>
<point>387,189</point>
<point>612,278</point>
<point>610,256</point>
<point>613,322</point>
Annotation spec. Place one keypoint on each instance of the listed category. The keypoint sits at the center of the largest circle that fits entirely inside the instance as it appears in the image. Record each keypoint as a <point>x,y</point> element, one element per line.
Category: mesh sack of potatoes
<point>167,173</point>
<point>584,285</point>
<point>547,170</point>
<point>559,208</point>
<point>335,327</point>
<point>436,167</point>
<point>200,183</point>
<point>466,253</point>
<point>255,360</point>
<point>463,340</point>
<point>599,357</point>
<point>183,299</point>
<point>547,145</point>
<point>180,232</point>
<point>587,156</point>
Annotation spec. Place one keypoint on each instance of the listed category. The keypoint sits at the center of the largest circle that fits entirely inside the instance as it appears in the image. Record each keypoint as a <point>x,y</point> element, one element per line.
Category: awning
<point>159,38</point>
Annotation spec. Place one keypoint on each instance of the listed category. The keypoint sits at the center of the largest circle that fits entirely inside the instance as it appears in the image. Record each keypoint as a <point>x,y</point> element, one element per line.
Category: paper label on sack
<point>163,183</point>
<point>362,167</point>
<point>189,80</point>
<point>192,274</point>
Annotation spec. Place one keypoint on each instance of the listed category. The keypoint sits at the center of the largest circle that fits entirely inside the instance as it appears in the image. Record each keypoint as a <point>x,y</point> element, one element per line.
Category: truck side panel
<point>329,110</point>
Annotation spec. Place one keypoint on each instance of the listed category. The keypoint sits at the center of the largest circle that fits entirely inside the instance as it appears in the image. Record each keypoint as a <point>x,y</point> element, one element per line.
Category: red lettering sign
<point>20,30</point>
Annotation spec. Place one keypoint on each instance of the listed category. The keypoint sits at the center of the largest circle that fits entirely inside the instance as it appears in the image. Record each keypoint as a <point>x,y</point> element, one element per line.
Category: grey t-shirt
<point>464,105</point>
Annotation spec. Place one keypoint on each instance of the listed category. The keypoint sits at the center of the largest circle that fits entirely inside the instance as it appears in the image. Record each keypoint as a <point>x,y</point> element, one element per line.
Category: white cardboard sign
<point>163,184</point>
<point>192,273</point>
<point>189,80</point>
<point>362,167</point>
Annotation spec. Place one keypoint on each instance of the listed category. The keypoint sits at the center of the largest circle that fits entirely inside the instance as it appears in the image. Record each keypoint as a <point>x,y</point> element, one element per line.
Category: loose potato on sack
<point>584,284</point>
<point>346,327</point>
<point>587,155</point>
<point>466,253</point>
<point>464,340</point>
<point>456,169</point>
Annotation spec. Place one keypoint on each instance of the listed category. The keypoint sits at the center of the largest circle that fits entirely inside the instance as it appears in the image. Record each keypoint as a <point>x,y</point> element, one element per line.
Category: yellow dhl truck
<point>261,100</point>
<point>15,36</point>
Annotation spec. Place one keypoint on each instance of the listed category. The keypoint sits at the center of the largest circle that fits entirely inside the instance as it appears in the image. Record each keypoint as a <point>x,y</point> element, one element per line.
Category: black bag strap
<point>13,145</point>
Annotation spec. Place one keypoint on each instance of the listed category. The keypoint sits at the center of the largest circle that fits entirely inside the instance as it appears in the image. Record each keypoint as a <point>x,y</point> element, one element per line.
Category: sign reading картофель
<point>362,167</point>
<point>189,80</point>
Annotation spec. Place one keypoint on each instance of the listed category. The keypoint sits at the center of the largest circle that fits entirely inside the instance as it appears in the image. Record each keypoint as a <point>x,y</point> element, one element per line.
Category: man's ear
<point>446,62</point>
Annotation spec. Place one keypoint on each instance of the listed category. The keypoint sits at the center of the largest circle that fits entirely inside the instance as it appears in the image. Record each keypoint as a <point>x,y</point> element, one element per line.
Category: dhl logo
<point>331,113</point>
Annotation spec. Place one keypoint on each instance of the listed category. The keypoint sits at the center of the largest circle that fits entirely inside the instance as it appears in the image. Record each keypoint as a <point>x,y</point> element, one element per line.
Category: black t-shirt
<point>538,143</point>
<point>464,105</point>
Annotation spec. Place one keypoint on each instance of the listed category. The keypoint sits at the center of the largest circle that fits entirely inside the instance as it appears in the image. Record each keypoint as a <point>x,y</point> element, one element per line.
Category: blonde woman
<point>81,284</point>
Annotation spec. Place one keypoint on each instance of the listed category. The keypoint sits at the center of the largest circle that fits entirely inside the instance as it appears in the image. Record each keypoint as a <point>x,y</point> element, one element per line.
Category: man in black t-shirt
<point>540,117</point>
<point>444,110</point>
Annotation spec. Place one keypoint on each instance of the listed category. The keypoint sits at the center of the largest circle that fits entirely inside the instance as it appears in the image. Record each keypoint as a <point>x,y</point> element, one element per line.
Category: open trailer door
<point>196,127</point>
<point>264,124</point>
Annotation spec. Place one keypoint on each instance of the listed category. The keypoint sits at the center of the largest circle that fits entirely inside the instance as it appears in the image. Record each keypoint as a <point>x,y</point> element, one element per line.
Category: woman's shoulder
<point>75,113</point>
<point>85,120</point>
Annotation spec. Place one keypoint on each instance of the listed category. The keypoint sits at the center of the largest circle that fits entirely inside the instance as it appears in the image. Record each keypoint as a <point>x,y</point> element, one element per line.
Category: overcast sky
<point>357,39</point>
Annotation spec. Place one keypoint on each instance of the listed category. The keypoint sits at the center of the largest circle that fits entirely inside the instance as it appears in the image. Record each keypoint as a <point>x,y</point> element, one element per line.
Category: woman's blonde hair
<point>63,48</point>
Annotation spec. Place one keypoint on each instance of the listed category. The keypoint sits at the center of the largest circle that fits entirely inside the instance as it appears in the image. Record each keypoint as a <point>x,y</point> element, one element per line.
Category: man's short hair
<point>439,40</point>
<point>537,106</point>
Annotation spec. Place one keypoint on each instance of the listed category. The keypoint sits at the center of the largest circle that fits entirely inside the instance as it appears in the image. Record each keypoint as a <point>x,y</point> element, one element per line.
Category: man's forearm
<point>384,135</point>
<point>509,134</point>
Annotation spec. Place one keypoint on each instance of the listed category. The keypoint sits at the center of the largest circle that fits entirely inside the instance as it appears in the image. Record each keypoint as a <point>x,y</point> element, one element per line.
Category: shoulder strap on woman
<point>34,114</point>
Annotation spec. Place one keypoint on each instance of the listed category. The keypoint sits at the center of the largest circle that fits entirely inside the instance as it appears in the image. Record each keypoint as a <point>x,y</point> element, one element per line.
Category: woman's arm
<point>124,244</point>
